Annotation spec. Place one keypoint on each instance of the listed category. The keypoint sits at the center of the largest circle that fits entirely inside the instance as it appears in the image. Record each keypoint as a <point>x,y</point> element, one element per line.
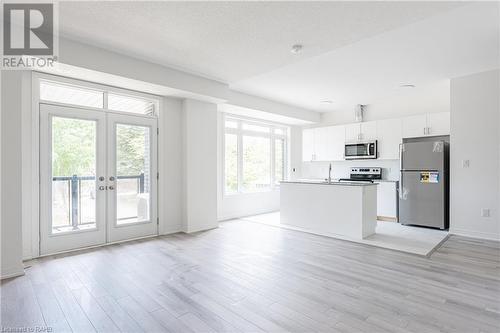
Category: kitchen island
<point>336,209</point>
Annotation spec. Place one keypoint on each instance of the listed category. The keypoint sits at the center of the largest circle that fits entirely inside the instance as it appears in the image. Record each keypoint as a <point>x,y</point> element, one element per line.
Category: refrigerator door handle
<point>401,148</point>
<point>400,190</point>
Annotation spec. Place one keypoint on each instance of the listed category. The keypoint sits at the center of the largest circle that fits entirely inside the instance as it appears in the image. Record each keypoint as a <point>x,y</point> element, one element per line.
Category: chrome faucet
<point>330,174</point>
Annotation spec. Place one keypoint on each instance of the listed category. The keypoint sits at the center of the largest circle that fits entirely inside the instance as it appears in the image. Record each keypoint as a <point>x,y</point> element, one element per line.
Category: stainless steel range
<point>363,174</point>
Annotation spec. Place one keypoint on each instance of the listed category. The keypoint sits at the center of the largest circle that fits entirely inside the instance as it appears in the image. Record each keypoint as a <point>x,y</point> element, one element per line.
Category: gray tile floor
<point>247,277</point>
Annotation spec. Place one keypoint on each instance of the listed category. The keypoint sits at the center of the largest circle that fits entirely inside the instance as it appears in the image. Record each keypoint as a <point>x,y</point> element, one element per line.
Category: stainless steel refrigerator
<point>423,187</point>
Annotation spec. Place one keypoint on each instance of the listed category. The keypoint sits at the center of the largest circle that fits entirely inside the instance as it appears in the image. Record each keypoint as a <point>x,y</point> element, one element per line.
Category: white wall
<point>429,98</point>
<point>200,165</point>
<point>170,167</point>
<point>10,224</point>
<point>475,127</point>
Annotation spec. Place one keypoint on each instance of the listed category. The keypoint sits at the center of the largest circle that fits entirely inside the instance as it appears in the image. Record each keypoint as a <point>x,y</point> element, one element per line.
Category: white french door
<point>132,177</point>
<point>98,177</point>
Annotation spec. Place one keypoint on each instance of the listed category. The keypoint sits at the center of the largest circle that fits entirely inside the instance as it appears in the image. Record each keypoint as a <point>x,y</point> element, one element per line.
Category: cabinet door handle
<point>428,130</point>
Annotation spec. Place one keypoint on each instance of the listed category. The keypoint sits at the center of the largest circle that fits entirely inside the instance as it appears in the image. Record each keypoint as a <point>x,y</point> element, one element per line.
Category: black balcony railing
<point>74,186</point>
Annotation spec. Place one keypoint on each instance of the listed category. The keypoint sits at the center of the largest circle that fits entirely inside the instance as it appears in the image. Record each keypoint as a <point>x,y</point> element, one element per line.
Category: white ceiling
<point>456,43</point>
<point>353,51</point>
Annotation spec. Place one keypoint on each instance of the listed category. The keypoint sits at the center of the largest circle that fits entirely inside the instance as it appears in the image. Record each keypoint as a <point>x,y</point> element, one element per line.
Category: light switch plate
<point>485,212</point>
<point>465,163</point>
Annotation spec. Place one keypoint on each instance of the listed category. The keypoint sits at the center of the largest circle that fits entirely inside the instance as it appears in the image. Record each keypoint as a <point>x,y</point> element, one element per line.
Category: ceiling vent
<point>359,112</point>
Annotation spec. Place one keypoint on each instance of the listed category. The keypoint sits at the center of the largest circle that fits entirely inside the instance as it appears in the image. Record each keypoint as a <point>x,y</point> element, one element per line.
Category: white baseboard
<point>12,273</point>
<point>475,234</point>
<point>242,216</point>
<point>171,231</point>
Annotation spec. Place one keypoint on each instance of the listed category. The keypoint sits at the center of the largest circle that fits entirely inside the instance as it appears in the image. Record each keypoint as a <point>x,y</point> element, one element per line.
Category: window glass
<point>255,128</point>
<point>60,93</point>
<point>231,163</point>
<point>130,104</point>
<point>133,174</point>
<point>256,163</point>
<point>73,174</point>
<point>279,131</point>
<point>279,160</point>
<point>231,123</point>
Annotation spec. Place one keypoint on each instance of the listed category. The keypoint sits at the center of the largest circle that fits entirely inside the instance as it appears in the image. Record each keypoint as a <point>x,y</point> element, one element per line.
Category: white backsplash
<point>341,169</point>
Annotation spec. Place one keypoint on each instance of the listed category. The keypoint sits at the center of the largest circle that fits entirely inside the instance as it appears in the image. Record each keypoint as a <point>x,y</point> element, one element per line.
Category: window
<point>255,155</point>
<point>130,104</point>
<point>67,94</point>
<point>100,98</point>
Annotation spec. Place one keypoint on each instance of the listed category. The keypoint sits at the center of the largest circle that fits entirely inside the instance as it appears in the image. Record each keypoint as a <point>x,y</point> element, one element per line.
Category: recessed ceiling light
<point>297,48</point>
<point>326,101</point>
<point>407,85</point>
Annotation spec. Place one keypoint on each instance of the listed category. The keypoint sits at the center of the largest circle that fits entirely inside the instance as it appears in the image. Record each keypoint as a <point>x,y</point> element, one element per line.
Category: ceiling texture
<point>353,52</point>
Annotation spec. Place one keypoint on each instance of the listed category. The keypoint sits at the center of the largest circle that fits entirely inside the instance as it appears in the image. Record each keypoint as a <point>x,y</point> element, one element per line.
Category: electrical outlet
<point>485,212</point>
<point>465,163</point>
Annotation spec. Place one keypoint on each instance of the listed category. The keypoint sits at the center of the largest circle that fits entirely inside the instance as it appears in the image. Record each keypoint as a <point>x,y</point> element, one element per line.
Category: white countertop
<point>322,182</point>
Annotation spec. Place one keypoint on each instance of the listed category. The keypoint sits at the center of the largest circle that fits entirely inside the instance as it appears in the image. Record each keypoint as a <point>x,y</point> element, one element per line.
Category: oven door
<point>360,150</point>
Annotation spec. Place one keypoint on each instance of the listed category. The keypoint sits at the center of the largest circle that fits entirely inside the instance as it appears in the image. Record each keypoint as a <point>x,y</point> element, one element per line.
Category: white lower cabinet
<point>387,200</point>
<point>389,137</point>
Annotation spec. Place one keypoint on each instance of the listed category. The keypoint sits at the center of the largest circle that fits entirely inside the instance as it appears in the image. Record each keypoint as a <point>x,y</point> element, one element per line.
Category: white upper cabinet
<point>430,124</point>
<point>368,131</point>
<point>321,149</point>
<point>308,144</point>
<point>389,136</point>
<point>365,131</point>
<point>323,144</point>
<point>352,132</point>
<point>415,126</point>
<point>438,123</point>
<point>327,143</point>
<point>335,136</point>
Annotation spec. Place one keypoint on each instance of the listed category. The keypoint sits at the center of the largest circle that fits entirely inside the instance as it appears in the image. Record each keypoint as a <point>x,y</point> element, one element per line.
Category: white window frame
<point>31,223</point>
<point>240,132</point>
<point>105,90</point>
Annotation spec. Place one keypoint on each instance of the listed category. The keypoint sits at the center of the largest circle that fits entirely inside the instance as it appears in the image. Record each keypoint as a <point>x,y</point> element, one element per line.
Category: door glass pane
<point>73,174</point>
<point>231,163</point>
<point>133,174</point>
<point>279,160</point>
<point>256,163</point>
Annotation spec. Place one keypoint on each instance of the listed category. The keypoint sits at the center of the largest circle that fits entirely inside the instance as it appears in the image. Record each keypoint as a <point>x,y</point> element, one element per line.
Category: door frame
<point>30,128</point>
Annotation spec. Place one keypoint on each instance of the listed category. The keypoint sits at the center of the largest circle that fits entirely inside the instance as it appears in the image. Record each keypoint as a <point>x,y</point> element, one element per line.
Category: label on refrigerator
<point>429,177</point>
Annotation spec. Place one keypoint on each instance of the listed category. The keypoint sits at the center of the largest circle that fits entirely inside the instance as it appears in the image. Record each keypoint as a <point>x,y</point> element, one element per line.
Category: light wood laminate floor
<point>248,277</point>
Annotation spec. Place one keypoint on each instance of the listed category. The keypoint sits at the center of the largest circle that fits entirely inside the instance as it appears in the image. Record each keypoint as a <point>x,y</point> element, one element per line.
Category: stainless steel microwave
<point>361,150</point>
